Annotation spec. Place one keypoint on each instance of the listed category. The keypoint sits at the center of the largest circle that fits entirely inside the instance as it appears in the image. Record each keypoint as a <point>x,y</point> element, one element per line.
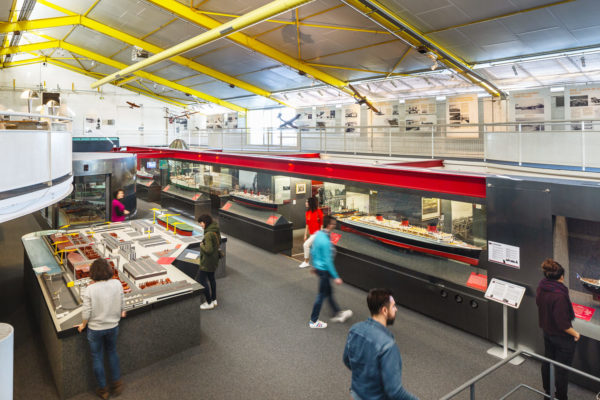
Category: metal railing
<point>470,384</point>
<point>573,144</point>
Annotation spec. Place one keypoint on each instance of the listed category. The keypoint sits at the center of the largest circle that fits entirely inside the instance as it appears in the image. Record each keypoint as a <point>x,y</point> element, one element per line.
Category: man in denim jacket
<point>372,355</point>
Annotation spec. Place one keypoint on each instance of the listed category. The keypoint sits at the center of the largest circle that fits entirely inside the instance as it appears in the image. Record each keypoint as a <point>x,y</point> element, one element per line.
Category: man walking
<point>322,258</point>
<point>372,355</point>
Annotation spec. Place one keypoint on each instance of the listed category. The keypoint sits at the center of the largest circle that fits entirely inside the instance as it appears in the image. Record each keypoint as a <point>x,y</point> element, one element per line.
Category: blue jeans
<point>325,291</point>
<point>106,338</point>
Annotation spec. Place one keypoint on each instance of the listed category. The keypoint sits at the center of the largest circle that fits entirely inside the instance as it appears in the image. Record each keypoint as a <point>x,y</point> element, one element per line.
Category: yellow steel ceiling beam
<point>24,62</point>
<point>74,19</point>
<point>55,7</point>
<point>374,10</point>
<point>30,47</point>
<point>398,62</point>
<point>222,30</point>
<point>357,69</point>
<point>126,80</point>
<point>128,87</point>
<point>302,19</point>
<point>184,12</point>
<point>12,16</point>
<point>6,27</point>
<point>115,64</point>
<point>284,22</point>
<point>145,75</point>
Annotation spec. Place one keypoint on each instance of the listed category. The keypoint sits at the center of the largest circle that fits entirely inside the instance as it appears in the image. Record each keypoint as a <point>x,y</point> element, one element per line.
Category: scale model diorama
<point>141,253</point>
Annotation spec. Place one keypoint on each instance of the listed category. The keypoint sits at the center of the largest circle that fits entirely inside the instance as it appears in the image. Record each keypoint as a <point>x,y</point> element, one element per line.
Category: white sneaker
<point>342,316</point>
<point>304,264</point>
<point>317,325</point>
<point>214,303</point>
<point>206,306</point>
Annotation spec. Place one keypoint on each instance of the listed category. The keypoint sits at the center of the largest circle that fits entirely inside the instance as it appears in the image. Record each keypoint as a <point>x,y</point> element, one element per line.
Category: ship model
<point>591,285</point>
<point>186,182</point>
<point>173,224</point>
<point>402,234</point>
<point>143,174</point>
<point>255,200</point>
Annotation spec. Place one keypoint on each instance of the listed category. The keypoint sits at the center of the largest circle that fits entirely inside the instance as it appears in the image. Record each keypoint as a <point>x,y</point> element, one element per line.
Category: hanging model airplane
<point>132,105</point>
<point>290,123</point>
<point>185,114</point>
<point>360,99</point>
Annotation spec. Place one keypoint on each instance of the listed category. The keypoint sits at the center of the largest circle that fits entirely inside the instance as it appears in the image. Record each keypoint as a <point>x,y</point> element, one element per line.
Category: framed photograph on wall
<point>430,208</point>
<point>300,188</point>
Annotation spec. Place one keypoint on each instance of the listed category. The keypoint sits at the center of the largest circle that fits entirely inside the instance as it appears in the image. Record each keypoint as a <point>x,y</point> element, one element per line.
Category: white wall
<point>144,125</point>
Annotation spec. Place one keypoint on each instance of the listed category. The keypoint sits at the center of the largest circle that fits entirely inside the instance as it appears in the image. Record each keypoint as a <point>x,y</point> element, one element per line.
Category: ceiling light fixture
<point>285,97</point>
<point>393,84</point>
<point>514,68</point>
<point>582,61</point>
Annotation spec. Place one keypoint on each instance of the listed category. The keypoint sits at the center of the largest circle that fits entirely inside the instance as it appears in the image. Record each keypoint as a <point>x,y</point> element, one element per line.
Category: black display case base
<point>276,239</point>
<point>460,307</point>
<point>148,193</point>
<point>183,206</point>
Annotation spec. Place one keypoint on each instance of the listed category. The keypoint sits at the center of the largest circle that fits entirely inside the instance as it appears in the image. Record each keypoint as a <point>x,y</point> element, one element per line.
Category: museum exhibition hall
<point>190,145</point>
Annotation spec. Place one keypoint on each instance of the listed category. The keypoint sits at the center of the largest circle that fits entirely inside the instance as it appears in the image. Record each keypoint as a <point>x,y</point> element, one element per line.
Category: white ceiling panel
<point>489,33</point>
<point>76,6</point>
<point>57,33</point>
<point>442,17</point>
<point>582,14</point>
<point>195,80</point>
<point>174,33</point>
<point>531,21</point>
<point>538,41</point>
<point>234,60</point>
<point>40,11</point>
<point>587,36</point>
<point>275,79</point>
<point>417,6</point>
<point>134,17</point>
<point>94,41</point>
<point>477,9</point>
<point>256,102</point>
<point>317,44</point>
<point>220,90</point>
<point>5,9</point>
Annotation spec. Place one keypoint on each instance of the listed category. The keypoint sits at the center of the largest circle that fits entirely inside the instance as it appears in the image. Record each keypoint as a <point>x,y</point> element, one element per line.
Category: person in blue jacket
<point>371,353</point>
<point>322,253</point>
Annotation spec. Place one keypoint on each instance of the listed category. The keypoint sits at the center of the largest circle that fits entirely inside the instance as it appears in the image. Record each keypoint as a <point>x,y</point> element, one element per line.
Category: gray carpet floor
<point>257,345</point>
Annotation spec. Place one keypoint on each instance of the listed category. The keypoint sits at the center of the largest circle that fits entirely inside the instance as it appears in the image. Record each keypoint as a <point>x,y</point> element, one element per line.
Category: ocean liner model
<point>255,200</point>
<point>591,285</point>
<point>406,236</point>
<point>175,225</point>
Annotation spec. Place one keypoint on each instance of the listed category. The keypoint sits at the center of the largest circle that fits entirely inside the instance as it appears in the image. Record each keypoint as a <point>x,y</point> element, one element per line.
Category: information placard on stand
<point>507,294</point>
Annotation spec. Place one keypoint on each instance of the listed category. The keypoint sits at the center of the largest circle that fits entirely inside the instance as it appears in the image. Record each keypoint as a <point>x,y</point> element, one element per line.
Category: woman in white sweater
<point>102,309</point>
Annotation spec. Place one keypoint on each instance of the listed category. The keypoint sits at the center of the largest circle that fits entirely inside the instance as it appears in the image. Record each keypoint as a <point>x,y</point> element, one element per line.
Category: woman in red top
<point>118,209</point>
<point>314,222</point>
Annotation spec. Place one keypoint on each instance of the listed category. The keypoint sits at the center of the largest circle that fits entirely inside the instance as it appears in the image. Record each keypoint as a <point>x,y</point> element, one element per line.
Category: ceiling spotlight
<point>320,93</point>
<point>435,65</point>
<point>300,95</point>
<point>231,85</point>
<point>155,85</point>
<point>285,97</point>
<point>393,84</point>
<point>93,64</point>
<point>368,87</point>
<point>514,68</point>
<point>583,61</point>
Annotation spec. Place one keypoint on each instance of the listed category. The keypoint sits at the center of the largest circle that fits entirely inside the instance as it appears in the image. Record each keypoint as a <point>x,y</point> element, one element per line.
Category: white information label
<point>505,293</point>
<point>42,269</point>
<point>191,256</point>
<point>504,254</point>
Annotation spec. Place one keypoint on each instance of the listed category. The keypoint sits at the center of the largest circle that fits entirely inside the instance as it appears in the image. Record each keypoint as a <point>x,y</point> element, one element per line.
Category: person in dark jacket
<point>371,353</point>
<point>209,260</point>
<point>555,313</point>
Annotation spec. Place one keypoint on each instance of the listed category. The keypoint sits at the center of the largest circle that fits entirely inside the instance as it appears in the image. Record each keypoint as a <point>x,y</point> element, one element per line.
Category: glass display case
<point>87,202</point>
<point>433,236</point>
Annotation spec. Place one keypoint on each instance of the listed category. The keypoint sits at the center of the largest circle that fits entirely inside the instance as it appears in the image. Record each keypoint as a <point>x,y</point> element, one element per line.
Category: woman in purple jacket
<point>555,315</point>
<point>118,211</point>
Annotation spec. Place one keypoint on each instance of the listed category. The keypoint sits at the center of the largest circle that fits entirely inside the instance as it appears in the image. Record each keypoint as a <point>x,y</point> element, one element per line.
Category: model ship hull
<point>254,203</point>
<point>180,229</point>
<point>591,285</point>
<point>413,242</point>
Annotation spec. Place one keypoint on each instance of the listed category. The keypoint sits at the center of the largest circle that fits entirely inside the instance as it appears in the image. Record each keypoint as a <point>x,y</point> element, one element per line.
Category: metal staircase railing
<point>470,384</point>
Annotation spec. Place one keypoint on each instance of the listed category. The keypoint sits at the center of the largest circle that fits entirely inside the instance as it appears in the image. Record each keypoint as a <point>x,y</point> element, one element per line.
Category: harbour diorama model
<point>253,199</point>
<point>402,234</point>
<point>140,252</point>
<point>143,174</point>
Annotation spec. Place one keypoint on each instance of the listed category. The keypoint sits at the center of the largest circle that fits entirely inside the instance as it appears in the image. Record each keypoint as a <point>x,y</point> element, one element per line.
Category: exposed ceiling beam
<point>246,41</point>
<point>115,64</point>
<point>253,17</point>
<point>12,16</point>
<point>131,40</point>
<point>128,87</point>
<point>400,28</point>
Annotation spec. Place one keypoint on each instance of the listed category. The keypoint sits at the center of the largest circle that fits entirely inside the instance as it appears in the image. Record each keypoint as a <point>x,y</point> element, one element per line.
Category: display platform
<point>188,203</point>
<point>262,228</point>
<point>441,288</point>
<point>161,301</point>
